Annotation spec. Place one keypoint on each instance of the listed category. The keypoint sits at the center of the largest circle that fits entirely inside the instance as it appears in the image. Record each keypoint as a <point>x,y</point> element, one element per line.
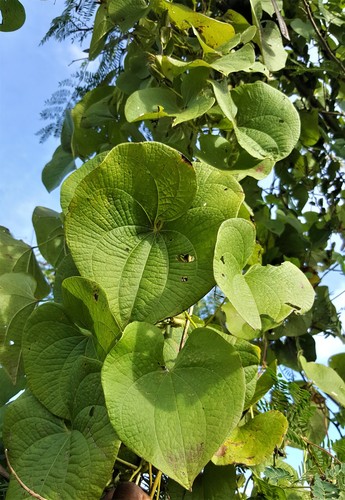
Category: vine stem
<point>156,484</point>
<point>186,326</point>
<point>23,485</point>
<point>306,440</point>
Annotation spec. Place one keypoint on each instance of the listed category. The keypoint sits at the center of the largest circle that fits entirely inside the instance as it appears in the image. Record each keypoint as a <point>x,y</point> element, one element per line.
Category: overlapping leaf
<point>173,418</point>
<point>59,459</point>
<point>143,225</point>
<point>49,234</point>
<point>273,292</point>
<point>17,301</point>
<point>253,442</point>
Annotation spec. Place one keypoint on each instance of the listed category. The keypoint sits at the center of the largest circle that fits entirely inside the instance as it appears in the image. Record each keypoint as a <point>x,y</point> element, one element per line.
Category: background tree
<point>169,338</point>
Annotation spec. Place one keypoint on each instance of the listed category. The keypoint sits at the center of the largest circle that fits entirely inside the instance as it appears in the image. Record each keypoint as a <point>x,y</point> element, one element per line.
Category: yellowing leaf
<point>253,442</point>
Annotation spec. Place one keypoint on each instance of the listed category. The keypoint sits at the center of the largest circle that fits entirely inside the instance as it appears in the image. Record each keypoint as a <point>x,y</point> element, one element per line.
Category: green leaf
<point>18,257</point>
<point>85,140</point>
<point>274,292</point>
<point>87,304</point>
<point>325,378</point>
<point>8,388</point>
<point>269,491</point>
<point>49,234</point>
<point>310,133</point>
<point>151,104</point>
<point>133,217</point>
<point>265,382</point>
<point>17,301</point>
<point>215,483</point>
<point>58,459</point>
<point>70,184</point>
<point>56,170</point>
<point>66,269</point>
<point>52,344</point>
<point>265,121</point>
<point>215,33</point>
<point>12,15</point>
<point>254,442</point>
<point>272,48</point>
<point>127,12</point>
<point>102,25</point>
<point>196,107</point>
<point>337,362</point>
<point>175,419</point>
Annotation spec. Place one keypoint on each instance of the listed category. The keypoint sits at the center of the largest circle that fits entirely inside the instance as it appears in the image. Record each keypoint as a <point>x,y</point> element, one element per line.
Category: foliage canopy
<point>163,329</point>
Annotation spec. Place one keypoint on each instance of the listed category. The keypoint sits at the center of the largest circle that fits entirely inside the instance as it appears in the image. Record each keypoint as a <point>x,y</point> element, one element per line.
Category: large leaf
<point>151,104</point>
<point>49,234</point>
<point>17,301</point>
<point>18,257</point>
<point>58,459</point>
<point>52,345</point>
<point>325,378</point>
<point>268,291</point>
<point>143,225</point>
<point>102,25</point>
<point>266,123</point>
<point>173,418</point>
<point>253,442</point>
<point>12,15</point>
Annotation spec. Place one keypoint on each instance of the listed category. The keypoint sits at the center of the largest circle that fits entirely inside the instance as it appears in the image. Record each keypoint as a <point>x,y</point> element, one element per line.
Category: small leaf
<point>49,234</point>
<point>254,442</point>
<point>88,306</point>
<point>325,378</point>
<point>177,418</point>
<point>56,170</point>
<point>337,362</point>
<point>151,104</point>
<point>12,14</point>
<point>102,25</point>
<point>17,301</point>
<point>18,257</point>
<point>272,48</point>
<point>127,12</point>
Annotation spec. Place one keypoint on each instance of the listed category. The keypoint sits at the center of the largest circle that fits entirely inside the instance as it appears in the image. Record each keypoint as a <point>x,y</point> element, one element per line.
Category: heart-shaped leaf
<point>253,442</point>
<point>59,459</point>
<point>325,378</point>
<point>18,257</point>
<point>17,301</point>
<point>266,123</point>
<point>264,290</point>
<point>143,225</point>
<point>52,344</point>
<point>49,234</point>
<point>173,418</point>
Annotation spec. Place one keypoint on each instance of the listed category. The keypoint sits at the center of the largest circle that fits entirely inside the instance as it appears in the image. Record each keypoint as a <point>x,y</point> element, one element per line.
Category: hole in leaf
<point>95,296</point>
<point>92,411</point>
<point>184,279</point>
<point>185,257</point>
<point>222,259</point>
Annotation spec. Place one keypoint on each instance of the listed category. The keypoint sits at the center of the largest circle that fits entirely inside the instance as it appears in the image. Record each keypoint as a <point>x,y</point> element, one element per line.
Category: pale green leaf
<point>196,107</point>
<point>102,25</point>
<point>337,362</point>
<point>133,217</point>
<point>268,291</point>
<point>215,33</point>
<point>265,121</point>
<point>17,301</point>
<point>175,419</point>
<point>253,442</point>
<point>272,48</point>
<point>325,378</point>
<point>151,104</point>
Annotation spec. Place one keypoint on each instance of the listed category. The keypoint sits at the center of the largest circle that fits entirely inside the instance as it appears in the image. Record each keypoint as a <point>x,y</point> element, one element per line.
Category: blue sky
<point>29,75</point>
